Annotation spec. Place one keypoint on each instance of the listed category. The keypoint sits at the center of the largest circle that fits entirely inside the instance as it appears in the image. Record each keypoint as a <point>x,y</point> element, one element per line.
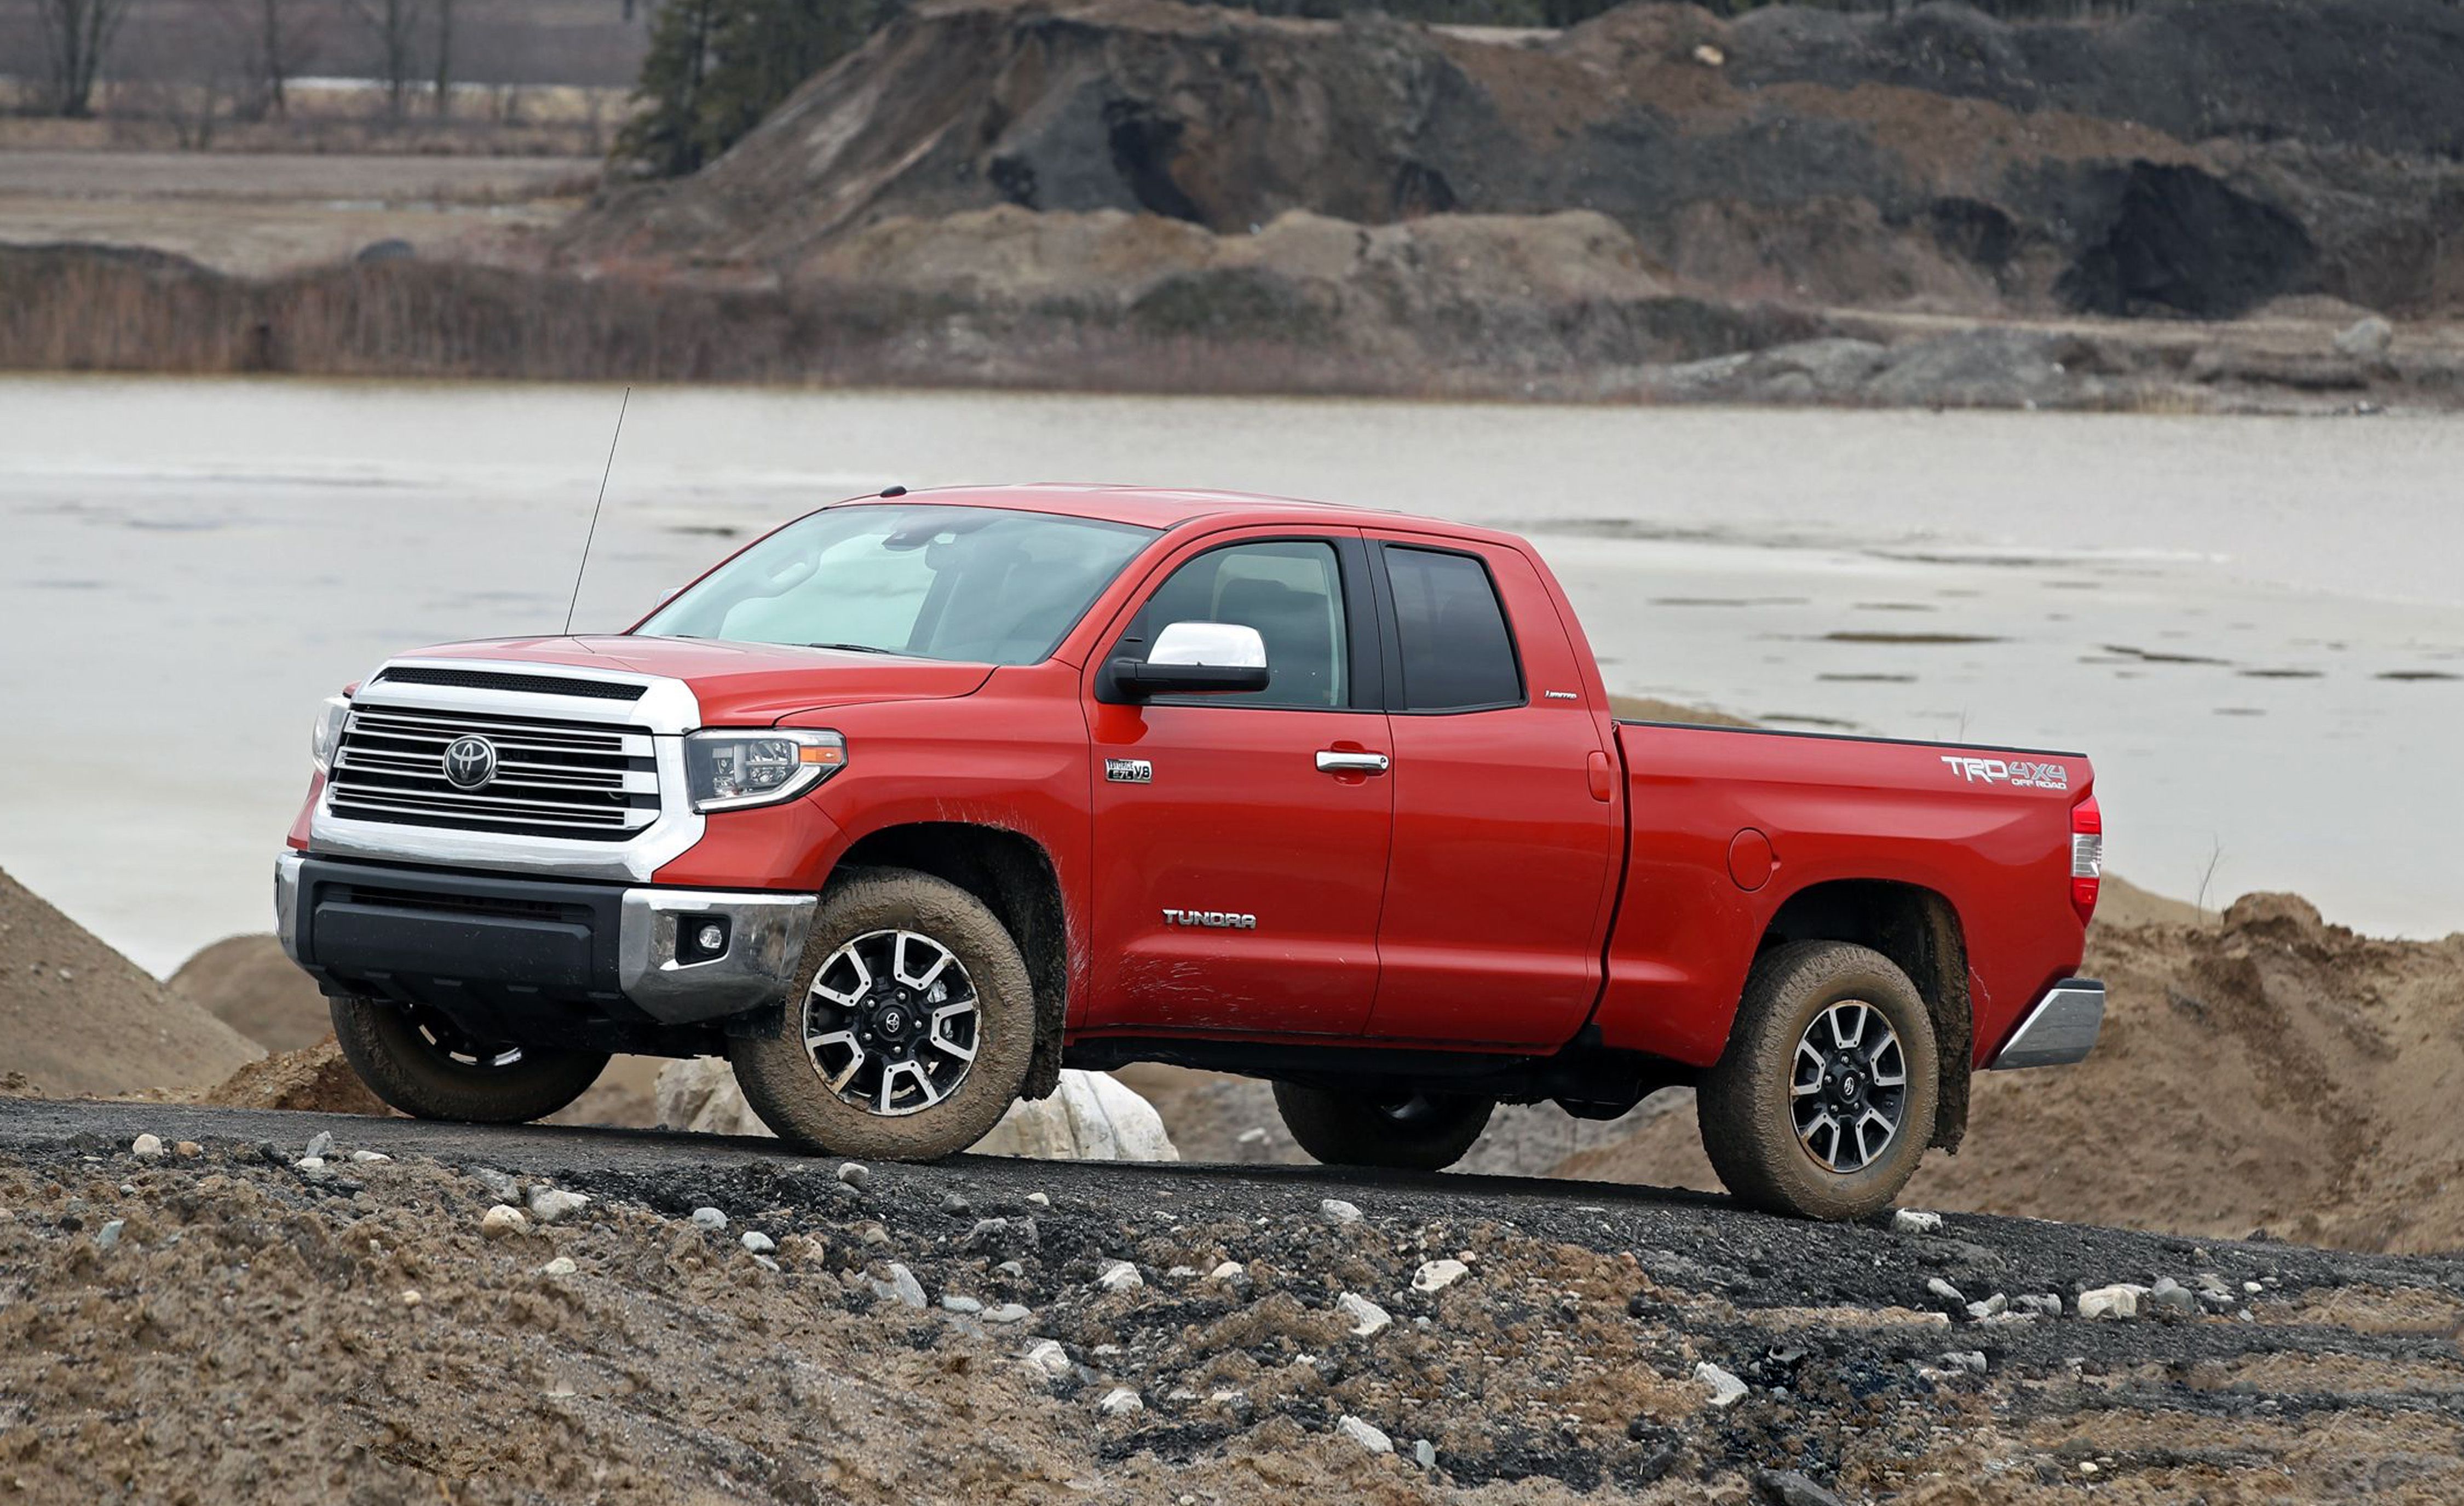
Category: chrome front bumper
<point>491,939</point>
<point>2060,1031</point>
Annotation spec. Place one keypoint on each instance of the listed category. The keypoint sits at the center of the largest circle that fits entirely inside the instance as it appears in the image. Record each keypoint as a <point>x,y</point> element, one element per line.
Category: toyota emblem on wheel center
<point>470,763</point>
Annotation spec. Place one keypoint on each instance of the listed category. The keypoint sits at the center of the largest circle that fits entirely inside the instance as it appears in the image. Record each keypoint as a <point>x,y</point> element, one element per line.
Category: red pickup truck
<point>922,797</point>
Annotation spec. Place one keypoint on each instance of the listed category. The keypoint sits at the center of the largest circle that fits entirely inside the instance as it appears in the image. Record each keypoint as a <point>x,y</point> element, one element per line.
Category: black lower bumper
<point>505,959</point>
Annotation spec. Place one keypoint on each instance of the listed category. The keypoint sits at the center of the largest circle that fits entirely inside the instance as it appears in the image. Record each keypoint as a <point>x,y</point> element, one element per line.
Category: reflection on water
<point>2255,626</point>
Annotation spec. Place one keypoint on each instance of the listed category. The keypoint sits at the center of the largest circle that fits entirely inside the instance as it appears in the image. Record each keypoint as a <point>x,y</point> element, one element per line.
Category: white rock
<point>2365,339</point>
<point>146,1147</point>
<point>855,1174</point>
<point>2172,1300</point>
<point>699,1094</point>
<point>2119,1301</point>
<point>1007,1312</point>
<point>549,1204</point>
<point>1228,1271</point>
<point>1364,1434</point>
<point>1438,1274</point>
<point>1424,1453</point>
<point>960,1304</point>
<point>322,1145</point>
<point>1944,1290</point>
<point>1727,1390</point>
<point>1994,1306</point>
<point>1336,1212</point>
<point>309,1164</point>
<point>1039,1199</point>
<point>1254,1135</point>
<point>902,1287</point>
<point>2043,1305</point>
<point>410,1297</point>
<point>500,1186</point>
<point>370,1158</point>
<point>502,1222</point>
<point>1916,1221</point>
<point>1367,1316</point>
<point>1092,1116</point>
<point>561,1266</point>
<point>757,1242</point>
<point>1969,1360</point>
<point>709,1218</point>
<point>1049,1357</point>
<point>1120,1402</point>
<point>1119,1276</point>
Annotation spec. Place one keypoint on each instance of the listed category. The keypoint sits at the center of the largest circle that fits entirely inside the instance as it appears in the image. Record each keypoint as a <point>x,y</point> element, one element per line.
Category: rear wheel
<point>417,1060</point>
<point>1408,1131</point>
<point>909,1030</point>
<point>1825,1101</point>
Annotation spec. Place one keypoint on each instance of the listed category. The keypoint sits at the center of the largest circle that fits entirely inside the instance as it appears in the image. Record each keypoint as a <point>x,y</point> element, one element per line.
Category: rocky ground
<point>221,1315</point>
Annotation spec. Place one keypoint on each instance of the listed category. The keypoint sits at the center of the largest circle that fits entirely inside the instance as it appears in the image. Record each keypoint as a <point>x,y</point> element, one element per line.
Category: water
<point>2209,606</point>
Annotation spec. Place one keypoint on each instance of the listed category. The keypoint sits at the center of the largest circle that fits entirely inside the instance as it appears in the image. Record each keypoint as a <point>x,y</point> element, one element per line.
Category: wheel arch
<point>1016,879</point>
<point>1916,928</point>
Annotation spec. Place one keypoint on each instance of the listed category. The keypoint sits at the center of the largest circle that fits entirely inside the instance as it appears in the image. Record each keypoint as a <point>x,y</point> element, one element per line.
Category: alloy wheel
<point>1848,1089</point>
<point>892,1022</point>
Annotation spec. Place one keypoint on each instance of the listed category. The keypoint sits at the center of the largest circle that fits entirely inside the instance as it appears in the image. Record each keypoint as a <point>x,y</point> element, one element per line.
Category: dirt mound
<point>2265,1072</point>
<point>247,982</point>
<point>315,1078</point>
<point>1938,161</point>
<point>78,1020</point>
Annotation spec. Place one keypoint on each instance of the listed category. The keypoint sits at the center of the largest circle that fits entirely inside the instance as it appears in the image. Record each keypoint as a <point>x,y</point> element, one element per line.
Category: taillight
<point>2087,856</point>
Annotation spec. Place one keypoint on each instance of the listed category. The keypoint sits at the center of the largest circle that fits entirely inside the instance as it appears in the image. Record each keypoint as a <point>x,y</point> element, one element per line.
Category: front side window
<point>1291,591</point>
<point>980,585</point>
<point>1456,652</point>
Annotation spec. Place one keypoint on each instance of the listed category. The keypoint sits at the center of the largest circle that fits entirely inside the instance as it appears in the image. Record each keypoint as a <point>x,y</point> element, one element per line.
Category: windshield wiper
<point>853,648</point>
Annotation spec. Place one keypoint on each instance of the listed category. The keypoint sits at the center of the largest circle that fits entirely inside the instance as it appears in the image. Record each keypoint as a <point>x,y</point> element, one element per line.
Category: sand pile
<point>2267,1072</point>
<point>247,982</point>
<point>78,1020</point>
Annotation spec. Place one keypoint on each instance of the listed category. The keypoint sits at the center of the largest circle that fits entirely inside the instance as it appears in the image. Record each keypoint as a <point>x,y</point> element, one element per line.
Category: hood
<point>741,684</point>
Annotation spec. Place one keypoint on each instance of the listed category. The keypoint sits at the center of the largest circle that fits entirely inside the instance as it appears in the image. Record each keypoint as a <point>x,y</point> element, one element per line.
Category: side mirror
<point>1190,658</point>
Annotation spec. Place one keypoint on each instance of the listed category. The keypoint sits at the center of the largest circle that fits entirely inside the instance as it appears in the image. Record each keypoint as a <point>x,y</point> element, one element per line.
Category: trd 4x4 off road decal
<point>2017,775</point>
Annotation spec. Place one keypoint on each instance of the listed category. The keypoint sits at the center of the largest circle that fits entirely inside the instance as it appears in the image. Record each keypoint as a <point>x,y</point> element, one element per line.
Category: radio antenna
<point>604,473</point>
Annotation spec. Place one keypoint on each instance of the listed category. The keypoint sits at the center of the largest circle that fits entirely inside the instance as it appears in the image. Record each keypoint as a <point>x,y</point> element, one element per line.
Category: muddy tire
<point>1415,1132</point>
<point>908,1031</point>
<point>416,1061</point>
<point>1825,1101</point>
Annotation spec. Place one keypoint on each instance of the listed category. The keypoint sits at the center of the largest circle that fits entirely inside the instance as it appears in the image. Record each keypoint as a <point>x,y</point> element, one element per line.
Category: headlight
<point>729,771</point>
<point>327,733</point>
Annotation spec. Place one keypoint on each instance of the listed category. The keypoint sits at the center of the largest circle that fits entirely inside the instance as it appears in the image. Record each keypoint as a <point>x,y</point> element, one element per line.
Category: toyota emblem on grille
<point>470,763</point>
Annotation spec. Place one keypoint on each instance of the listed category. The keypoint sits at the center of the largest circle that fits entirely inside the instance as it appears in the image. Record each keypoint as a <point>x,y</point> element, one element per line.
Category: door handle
<point>1330,762</point>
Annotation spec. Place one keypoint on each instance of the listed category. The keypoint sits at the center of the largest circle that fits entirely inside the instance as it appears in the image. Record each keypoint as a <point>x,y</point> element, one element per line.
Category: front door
<point>1241,838</point>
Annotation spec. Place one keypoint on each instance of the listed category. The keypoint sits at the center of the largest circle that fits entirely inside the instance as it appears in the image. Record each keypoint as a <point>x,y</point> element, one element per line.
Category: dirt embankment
<point>2191,208</point>
<point>78,1020</point>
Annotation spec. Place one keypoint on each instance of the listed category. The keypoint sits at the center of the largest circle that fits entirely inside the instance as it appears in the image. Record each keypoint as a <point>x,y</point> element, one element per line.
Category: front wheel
<point>417,1060</point>
<point>1405,1131</point>
<point>1825,1101</point>
<point>909,1030</point>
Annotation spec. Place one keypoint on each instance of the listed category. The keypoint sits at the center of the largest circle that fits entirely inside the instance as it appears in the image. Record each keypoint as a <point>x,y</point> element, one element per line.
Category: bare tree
<point>396,24</point>
<point>444,58</point>
<point>273,42</point>
<point>76,33</point>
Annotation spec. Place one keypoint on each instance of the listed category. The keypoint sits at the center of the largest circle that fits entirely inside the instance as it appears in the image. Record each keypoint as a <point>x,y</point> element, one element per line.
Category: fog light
<point>711,937</point>
<point>701,940</point>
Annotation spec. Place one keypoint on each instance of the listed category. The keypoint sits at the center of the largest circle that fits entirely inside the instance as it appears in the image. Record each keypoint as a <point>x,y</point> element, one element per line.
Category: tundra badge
<point>1218,919</point>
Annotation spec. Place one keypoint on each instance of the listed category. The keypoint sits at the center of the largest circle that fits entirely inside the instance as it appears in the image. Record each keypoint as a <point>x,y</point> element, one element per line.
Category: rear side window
<point>1457,651</point>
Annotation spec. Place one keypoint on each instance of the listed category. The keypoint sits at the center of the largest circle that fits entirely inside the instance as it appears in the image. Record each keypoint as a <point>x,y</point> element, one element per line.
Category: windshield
<point>976,584</point>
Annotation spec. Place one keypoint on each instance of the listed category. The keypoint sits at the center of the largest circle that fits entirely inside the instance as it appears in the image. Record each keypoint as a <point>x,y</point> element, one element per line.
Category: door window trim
<point>1389,631</point>
<point>1365,667</point>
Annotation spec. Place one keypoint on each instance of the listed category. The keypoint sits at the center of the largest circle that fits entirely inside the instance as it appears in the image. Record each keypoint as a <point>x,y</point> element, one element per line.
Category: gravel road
<point>1564,1360</point>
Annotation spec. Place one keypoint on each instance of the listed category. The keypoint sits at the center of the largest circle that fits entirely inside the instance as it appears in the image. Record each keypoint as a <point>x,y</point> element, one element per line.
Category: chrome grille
<point>563,779</point>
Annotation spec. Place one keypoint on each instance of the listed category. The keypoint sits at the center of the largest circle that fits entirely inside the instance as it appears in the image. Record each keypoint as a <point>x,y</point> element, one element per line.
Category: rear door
<point>1241,839</point>
<point>1505,831</point>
